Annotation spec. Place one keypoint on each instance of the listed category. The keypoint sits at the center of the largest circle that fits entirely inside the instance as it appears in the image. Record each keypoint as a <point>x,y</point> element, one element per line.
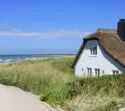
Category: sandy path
<point>14,99</point>
<point>122,109</point>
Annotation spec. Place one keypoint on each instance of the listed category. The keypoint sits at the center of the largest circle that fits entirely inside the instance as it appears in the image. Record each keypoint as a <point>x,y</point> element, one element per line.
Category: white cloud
<point>8,31</point>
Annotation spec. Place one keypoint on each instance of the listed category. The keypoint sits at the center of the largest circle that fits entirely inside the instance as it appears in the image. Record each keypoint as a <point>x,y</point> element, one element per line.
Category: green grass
<point>106,93</point>
<point>54,80</point>
<point>45,77</point>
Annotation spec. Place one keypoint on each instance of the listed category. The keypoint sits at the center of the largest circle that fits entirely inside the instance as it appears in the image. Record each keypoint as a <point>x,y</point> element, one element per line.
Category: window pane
<point>115,72</point>
<point>93,51</point>
<point>89,72</point>
<point>97,72</point>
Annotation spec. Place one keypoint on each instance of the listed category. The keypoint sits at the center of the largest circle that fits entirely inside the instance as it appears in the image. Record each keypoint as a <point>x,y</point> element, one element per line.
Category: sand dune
<point>14,99</point>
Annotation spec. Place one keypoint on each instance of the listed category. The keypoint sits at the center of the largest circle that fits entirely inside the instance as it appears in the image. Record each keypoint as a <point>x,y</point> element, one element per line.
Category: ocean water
<point>4,59</point>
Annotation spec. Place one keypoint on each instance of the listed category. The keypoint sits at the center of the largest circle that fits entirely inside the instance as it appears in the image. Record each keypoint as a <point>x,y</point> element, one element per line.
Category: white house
<point>102,53</point>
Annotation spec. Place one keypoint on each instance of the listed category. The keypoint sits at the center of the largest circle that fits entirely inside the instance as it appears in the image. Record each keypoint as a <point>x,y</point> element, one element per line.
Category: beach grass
<point>53,79</point>
<point>45,77</point>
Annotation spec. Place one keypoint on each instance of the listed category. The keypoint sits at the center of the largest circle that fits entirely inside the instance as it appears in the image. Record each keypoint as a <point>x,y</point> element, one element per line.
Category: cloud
<point>8,31</point>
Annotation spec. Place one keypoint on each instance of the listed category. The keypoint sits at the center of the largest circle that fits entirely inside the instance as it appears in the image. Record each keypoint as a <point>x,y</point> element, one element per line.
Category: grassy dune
<point>45,77</point>
<point>54,80</point>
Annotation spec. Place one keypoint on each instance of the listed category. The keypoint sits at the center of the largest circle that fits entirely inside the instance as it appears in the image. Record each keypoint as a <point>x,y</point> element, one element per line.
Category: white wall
<point>102,61</point>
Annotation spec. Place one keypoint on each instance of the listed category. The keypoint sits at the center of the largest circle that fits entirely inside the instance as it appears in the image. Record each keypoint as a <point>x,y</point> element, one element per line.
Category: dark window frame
<point>97,72</point>
<point>93,51</point>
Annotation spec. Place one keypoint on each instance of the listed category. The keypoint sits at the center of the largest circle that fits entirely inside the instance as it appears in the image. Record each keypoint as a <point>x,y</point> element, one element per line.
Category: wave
<point>30,58</point>
<point>5,61</point>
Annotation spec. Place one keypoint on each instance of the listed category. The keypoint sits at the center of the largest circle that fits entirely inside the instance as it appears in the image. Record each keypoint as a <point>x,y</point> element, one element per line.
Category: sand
<point>122,109</point>
<point>14,99</point>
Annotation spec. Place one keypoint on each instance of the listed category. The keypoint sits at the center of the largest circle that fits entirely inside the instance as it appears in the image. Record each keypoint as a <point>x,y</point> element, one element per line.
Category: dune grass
<point>106,93</point>
<point>45,77</point>
<point>54,80</point>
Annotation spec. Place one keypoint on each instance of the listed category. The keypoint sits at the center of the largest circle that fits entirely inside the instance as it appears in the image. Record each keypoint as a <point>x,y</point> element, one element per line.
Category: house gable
<point>102,61</point>
<point>107,38</point>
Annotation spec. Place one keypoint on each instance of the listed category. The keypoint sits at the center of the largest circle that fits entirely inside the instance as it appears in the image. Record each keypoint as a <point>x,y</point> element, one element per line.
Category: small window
<point>103,72</point>
<point>82,69</point>
<point>115,72</point>
<point>89,70</point>
<point>97,72</point>
<point>93,51</point>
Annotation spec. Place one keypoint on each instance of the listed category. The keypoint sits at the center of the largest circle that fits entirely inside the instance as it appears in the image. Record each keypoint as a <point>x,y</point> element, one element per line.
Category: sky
<point>53,26</point>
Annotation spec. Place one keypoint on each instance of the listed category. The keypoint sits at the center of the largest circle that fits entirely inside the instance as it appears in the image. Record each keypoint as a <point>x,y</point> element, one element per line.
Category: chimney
<point>121,29</point>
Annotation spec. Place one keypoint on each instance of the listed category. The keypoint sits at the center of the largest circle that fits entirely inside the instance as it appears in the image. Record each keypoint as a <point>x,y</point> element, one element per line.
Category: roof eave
<point>81,48</point>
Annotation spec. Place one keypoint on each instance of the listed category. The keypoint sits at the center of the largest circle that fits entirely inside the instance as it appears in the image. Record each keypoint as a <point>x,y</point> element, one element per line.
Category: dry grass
<point>54,80</point>
<point>46,77</point>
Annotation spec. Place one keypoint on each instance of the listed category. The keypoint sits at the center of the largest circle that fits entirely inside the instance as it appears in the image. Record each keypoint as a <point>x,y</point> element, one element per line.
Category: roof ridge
<point>110,42</point>
<point>104,30</point>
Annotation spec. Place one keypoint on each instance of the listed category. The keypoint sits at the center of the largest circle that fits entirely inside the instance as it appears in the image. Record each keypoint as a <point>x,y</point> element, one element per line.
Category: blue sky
<point>53,26</point>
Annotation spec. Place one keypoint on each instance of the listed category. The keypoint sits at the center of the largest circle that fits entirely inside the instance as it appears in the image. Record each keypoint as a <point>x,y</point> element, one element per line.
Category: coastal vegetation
<point>54,80</point>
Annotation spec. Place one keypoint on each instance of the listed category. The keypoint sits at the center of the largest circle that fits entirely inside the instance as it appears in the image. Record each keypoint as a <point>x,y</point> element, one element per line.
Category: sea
<point>4,59</point>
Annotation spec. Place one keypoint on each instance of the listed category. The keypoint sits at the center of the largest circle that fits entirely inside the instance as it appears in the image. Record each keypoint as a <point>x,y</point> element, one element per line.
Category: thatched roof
<point>110,43</point>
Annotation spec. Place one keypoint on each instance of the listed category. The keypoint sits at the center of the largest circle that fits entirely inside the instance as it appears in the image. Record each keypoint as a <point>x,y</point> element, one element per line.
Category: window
<point>115,72</point>
<point>103,72</point>
<point>89,72</point>
<point>97,72</point>
<point>93,51</point>
<point>82,69</point>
